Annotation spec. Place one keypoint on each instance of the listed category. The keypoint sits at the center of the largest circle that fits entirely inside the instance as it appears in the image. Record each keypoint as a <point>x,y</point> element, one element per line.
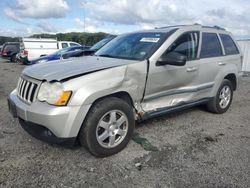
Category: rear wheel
<point>13,58</point>
<point>108,127</point>
<point>223,99</point>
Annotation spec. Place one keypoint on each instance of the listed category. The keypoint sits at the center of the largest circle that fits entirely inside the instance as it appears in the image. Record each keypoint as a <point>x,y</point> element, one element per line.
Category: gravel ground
<point>195,149</point>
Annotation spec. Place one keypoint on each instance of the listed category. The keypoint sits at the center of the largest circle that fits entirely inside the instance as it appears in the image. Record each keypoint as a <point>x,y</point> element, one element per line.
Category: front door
<point>170,85</point>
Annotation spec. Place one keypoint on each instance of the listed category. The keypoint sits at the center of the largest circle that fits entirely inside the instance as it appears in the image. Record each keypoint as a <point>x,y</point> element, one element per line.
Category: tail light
<point>4,52</point>
<point>25,53</point>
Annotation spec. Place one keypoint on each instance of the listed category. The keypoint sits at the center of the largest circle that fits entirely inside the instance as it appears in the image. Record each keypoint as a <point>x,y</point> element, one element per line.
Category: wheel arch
<point>120,94</point>
<point>233,79</point>
<point>85,126</point>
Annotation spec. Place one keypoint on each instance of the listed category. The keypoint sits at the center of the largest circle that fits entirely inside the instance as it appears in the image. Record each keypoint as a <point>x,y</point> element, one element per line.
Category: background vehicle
<point>1,49</point>
<point>57,55</point>
<point>32,48</point>
<point>136,76</point>
<point>89,51</point>
<point>66,44</point>
<point>9,50</point>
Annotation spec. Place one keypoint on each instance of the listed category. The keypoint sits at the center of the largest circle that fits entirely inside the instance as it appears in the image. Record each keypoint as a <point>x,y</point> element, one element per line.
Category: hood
<point>63,69</point>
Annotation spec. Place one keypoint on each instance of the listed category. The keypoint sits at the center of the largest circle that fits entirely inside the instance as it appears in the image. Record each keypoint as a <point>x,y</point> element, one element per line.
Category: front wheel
<point>223,99</point>
<point>108,127</point>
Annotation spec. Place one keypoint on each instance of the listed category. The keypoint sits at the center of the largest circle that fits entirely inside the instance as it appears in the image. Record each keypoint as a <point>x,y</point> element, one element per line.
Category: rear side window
<point>210,46</point>
<point>65,45</point>
<point>73,44</point>
<point>229,45</point>
<point>187,44</point>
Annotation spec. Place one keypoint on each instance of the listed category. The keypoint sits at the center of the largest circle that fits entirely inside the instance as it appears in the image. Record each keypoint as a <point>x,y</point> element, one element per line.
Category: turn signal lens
<point>64,99</point>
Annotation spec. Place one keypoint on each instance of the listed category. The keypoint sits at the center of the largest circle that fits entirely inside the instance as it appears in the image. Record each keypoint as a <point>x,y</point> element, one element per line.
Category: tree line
<point>8,39</point>
<point>82,38</point>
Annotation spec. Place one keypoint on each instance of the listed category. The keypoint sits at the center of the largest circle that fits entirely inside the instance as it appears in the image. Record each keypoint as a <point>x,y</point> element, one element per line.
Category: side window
<point>229,45</point>
<point>64,45</point>
<point>210,46</point>
<point>73,44</point>
<point>187,44</point>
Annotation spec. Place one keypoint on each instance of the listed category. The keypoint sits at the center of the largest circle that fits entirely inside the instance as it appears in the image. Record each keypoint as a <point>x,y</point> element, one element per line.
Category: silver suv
<point>136,76</point>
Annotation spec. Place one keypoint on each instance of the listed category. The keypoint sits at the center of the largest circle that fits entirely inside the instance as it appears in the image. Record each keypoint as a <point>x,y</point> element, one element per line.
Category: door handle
<point>191,69</point>
<point>222,64</point>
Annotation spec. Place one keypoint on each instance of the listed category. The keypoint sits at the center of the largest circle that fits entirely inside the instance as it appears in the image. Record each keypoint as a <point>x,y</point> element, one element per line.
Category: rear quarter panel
<point>232,66</point>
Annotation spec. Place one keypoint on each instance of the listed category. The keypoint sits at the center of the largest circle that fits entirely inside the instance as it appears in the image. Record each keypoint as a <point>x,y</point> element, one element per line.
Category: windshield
<point>65,50</point>
<point>100,44</point>
<point>135,46</point>
<point>60,52</point>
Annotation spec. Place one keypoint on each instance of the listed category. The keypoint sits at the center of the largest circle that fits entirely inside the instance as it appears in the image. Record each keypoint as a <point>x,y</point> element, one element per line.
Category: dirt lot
<point>195,149</point>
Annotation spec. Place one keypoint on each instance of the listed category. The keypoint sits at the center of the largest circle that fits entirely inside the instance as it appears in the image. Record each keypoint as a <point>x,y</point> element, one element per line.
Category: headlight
<point>54,94</point>
<point>42,61</point>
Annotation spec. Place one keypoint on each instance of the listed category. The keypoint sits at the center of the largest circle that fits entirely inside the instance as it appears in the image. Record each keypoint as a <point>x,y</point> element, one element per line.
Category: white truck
<point>32,48</point>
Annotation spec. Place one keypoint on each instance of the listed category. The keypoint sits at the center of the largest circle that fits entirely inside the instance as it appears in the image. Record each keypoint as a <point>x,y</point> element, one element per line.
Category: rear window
<point>229,45</point>
<point>210,46</point>
<point>11,47</point>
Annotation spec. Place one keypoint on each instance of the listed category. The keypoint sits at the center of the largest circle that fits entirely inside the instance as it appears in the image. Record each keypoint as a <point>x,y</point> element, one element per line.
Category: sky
<point>26,17</point>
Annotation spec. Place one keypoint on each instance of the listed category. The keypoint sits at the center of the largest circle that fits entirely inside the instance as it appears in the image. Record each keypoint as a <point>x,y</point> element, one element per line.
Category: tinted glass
<point>59,52</point>
<point>10,47</point>
<point>210,45</point>
<point>65,50</point>
<point>229,45</point>
<point>64,45</point>
<point>100,44</point>
<point>187,45</point>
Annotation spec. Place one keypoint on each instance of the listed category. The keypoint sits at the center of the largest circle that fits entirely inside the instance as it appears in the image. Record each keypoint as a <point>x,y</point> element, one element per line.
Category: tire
<point>216,105</point>
<point>108,127</point>
<point>13,58</point>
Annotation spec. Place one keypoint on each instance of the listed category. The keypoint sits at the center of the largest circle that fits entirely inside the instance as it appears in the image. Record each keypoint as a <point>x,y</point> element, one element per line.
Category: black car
<point>9,50</point>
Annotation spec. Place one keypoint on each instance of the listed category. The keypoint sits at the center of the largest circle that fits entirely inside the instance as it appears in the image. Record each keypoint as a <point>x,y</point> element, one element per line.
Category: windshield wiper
<point>106,55</point>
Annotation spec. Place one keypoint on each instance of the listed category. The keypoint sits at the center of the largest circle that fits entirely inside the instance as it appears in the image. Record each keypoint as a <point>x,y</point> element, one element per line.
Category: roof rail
<point>165,27</point>
<point>215,27</point>
<point>196,24</point>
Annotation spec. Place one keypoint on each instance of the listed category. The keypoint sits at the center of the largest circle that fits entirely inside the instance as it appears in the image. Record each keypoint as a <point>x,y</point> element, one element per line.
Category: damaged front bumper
<point>59,125</point>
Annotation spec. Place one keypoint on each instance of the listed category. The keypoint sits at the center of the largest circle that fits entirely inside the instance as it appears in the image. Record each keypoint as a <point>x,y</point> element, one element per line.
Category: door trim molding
<point>167,110</point>
<point>180,91</point>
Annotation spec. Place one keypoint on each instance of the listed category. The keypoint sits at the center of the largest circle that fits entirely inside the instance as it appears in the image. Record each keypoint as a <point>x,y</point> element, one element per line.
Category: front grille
<point>26,89</point>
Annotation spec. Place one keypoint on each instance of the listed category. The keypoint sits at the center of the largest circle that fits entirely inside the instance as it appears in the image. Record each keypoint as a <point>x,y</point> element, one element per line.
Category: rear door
<point>211,60</point>
<point>170,85</point>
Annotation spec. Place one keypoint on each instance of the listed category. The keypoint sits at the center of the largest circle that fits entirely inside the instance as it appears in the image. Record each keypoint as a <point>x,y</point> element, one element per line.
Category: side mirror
<point>172,58</point>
